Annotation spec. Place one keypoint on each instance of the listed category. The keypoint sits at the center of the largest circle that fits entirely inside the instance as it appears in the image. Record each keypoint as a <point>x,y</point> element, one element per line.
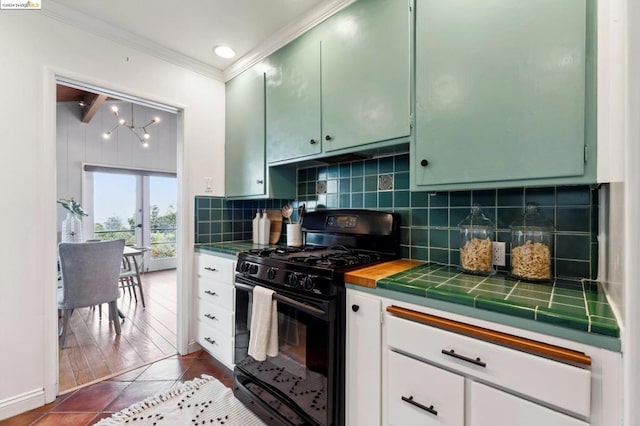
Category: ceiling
<point>191,29</point>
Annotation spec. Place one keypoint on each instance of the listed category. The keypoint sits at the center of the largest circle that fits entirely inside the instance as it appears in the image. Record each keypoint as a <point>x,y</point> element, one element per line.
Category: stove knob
<point>253,269</point>
<point>271,273</point>
<point>307,283</point>
<point>294,280</point>
<point>245,267</point>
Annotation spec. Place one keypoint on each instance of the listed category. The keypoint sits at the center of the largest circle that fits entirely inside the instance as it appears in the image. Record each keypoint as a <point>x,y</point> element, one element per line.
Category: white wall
<point>631,342</point>
<point>34,48</point>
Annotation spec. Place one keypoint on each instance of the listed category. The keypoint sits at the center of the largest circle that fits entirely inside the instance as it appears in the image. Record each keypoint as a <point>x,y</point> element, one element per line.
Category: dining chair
<point>90,274</point>
<point>130,272</point>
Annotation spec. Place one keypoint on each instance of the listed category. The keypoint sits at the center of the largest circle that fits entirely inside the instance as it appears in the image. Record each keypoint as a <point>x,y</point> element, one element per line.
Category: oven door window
<point>299,373</point>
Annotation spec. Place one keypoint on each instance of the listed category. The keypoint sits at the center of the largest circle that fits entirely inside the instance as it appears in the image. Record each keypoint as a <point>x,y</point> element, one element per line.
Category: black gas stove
<point>304,383</point>
<point>312,269</point>
<point>336,242</point>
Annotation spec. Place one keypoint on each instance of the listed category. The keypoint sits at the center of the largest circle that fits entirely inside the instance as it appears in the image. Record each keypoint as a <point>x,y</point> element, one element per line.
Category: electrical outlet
<point>499,253</point>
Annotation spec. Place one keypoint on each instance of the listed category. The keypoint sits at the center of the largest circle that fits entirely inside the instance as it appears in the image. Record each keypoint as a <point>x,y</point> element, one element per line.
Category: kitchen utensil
<point>287,211</point>
<point>300,213</point>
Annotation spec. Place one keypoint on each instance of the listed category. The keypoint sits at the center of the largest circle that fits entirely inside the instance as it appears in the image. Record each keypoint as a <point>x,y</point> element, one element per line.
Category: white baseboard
<point>193,347</point>
<point>20,403</point>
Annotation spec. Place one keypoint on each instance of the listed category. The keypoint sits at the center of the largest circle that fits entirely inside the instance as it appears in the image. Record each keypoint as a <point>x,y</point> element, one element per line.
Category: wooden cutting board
<point>275,216</point>
<point>369,275</point>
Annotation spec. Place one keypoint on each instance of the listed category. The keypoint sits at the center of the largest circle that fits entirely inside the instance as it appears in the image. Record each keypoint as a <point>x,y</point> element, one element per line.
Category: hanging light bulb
<point>141,132</point>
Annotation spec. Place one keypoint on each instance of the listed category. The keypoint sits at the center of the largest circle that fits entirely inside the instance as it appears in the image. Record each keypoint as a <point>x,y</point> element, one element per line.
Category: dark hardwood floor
<point>93,351</point>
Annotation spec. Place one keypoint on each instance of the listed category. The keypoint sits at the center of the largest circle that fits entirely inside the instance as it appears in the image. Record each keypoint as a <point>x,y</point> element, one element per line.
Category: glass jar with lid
<point>531,246</point>
<point>476,243</point>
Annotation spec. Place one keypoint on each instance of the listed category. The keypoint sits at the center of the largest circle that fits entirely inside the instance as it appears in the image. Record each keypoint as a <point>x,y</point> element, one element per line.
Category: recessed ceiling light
<point>224,52</point>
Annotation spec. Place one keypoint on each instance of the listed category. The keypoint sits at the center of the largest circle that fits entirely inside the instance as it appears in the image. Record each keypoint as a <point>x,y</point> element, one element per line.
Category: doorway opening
<point>129,190</point>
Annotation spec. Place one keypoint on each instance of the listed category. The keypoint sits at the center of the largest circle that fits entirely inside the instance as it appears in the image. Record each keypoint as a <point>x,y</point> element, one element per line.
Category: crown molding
<point>285,35</point>
<point>118,35</point>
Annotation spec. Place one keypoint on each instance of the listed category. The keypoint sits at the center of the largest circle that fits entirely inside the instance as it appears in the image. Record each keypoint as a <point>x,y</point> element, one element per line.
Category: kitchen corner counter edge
<point>574,310</point>
<point>230,248</point>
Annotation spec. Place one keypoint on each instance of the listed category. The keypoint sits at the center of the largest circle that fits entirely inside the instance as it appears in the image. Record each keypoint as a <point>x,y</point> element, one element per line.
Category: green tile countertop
<point>230,248</point>
<point>574,305</point>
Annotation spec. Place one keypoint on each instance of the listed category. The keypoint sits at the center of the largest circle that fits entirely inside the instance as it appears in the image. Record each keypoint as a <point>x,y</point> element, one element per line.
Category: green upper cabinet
<point>366,74</point>
<point>244,142</point>
<point>246,172</point>
<point>293,100</point>
<point>502,91</point>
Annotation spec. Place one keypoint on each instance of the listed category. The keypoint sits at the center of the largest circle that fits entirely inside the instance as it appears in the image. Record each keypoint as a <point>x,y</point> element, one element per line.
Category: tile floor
<point>89,404</point>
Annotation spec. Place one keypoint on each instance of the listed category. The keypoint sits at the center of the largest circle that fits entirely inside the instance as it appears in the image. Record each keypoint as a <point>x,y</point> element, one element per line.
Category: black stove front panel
<point>281,274</point>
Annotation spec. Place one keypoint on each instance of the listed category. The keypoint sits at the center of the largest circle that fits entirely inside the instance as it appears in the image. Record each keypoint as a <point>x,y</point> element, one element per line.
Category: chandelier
<point>141,133</point>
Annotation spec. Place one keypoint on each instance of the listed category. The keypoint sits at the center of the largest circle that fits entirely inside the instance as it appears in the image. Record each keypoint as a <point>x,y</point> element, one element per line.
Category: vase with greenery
<point>72,225</point>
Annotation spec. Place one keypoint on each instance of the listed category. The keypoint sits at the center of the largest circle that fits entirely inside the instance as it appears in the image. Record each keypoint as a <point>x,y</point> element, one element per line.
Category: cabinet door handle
<point>417,404</point>
<point>328,138</point>
<point>209,268</point>
<point>210,340</point>
<point>355,308</point>
<point>211,317</point>
<point>313,142</point>
<point>259,181</point>
<point>476,361</point>
<point>424,162</point>
<point>211,293</point>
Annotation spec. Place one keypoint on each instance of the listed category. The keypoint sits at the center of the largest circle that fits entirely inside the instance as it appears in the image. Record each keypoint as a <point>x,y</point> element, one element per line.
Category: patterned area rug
<point>198,402</point>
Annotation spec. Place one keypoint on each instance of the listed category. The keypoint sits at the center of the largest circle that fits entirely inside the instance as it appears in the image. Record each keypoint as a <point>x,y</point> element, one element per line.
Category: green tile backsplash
<point>428,220</point>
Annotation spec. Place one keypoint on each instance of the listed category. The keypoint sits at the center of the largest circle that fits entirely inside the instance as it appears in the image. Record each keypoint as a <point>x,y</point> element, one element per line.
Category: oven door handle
<point>285,299</point>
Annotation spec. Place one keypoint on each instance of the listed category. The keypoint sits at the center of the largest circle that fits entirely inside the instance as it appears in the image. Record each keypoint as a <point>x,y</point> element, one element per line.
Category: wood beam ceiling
<point>93,102</point>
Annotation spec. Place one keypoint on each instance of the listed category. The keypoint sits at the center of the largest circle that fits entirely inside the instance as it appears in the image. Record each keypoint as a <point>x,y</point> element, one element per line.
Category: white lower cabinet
<point>489,406</point>
<point>421,394</point>
<point>215,305</point>
<point>413,365</point>
<point>363,359</point>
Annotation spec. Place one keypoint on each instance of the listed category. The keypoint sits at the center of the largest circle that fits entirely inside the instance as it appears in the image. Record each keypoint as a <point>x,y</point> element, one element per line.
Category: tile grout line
<point>553,290</point>
<point>512,289</point>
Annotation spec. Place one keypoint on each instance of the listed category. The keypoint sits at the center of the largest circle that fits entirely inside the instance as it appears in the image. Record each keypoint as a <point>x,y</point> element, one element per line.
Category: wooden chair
<point>90,274</point>
<point>130,273</point>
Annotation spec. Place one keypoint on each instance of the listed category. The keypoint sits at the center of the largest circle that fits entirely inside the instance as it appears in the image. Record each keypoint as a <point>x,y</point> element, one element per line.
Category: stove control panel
<point>300,281</point>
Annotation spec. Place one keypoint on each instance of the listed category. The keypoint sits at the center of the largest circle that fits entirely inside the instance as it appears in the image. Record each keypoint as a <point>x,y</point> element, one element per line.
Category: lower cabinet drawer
<point>493,407</point>
<point>421,394</point>
<point>219,345</point>
<point>215,267</point>
<point>555,383</point>
<point>215,292</point>
<point>215,317</point>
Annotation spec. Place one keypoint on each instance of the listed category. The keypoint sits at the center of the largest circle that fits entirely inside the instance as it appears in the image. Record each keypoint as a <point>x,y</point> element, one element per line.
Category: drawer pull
<point>417,404</point>
<point>211,293</point>
<point>210,340</point>
<point>464,358</point>
<point>211,317</point>
<point>209,268</point>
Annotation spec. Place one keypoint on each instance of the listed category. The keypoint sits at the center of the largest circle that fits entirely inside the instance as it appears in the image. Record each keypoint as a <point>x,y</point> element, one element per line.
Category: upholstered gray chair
<point>90,276</point>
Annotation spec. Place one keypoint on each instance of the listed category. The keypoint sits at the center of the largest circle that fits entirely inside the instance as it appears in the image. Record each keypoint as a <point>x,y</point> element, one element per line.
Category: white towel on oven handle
<point>263,338</point>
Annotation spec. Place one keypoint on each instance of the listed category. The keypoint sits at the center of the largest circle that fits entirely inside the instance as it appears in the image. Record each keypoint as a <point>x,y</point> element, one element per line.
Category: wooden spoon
<point>287,211</point>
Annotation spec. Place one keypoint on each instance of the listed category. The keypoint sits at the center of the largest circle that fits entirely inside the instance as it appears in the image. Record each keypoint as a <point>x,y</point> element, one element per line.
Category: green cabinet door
<point>500,90</point>
<point>366,74</point>
<point>293,100</point>
<point>245,134</point>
